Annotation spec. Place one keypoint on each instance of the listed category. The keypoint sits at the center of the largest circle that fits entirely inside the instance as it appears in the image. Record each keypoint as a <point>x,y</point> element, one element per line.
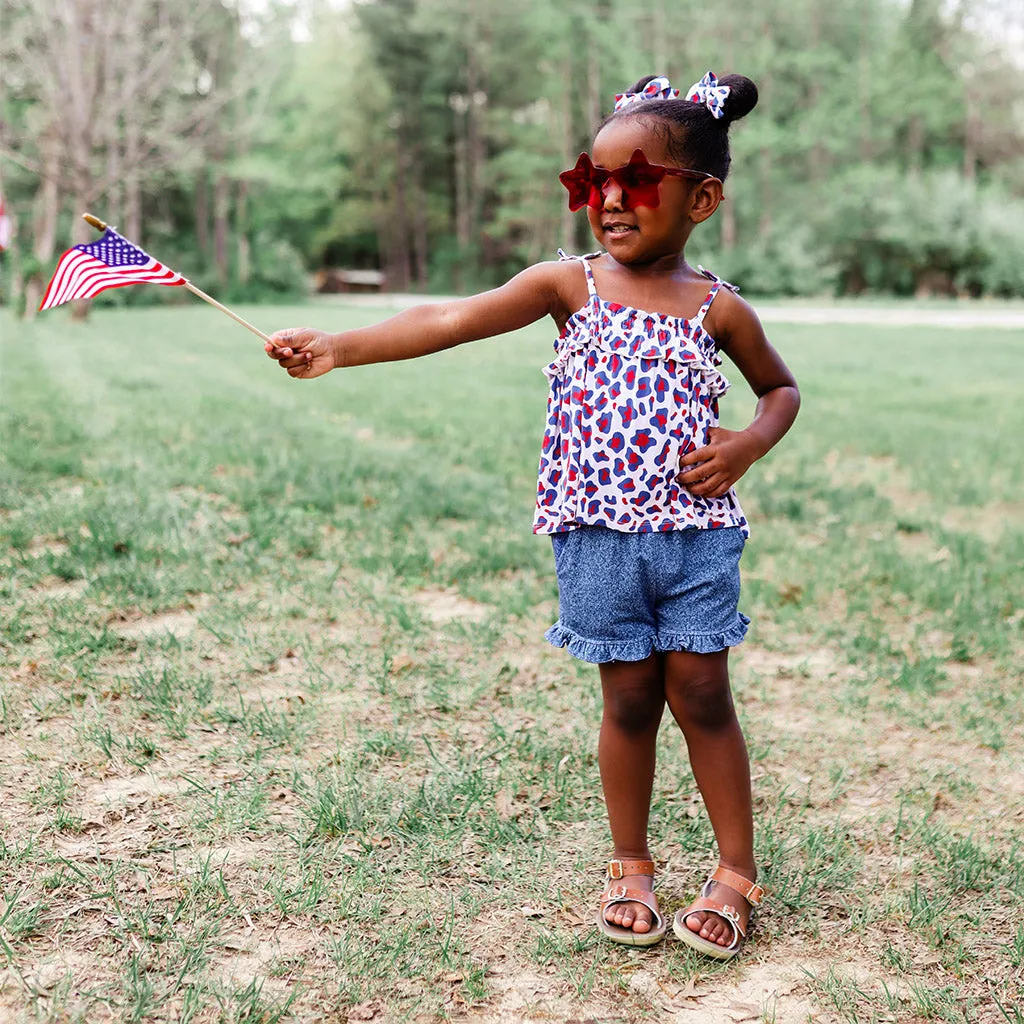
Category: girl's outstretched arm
<point>530,295</point>
<point>710,471</point>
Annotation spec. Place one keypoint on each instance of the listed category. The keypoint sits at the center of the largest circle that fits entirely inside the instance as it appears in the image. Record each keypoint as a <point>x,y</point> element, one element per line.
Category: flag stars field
<point>111,262</point>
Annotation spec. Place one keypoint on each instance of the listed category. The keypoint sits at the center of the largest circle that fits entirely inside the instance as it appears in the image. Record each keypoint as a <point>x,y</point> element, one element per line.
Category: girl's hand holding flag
<point>303,351</point>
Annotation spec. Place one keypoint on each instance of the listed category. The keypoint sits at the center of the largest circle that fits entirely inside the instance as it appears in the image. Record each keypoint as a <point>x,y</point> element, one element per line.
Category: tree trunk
<point>132,184</point>
<point>112,203</point>
<point>44,223</point>
<point>81,232</point>
<point>202,212</point>
<point>399,232</point>
<point>867,49</point>
<point>658,41</point>
<point>242,232</point>
<point>728,225</point>
<point>221,204</point>
<point>419,223</point>
<point>915,144</point>
<point>475,139</point>
<point>728,228</point>
<point>462,214</point>
<point>972,130</point>
<point>565,137</point>
<point>765,169</point>
<point>593,79</point>
<point>814,98</point>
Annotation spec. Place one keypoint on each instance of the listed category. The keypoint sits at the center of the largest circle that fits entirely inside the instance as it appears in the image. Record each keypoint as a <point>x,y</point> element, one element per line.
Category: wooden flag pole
<point>224,309</point>
<point>100,226</point>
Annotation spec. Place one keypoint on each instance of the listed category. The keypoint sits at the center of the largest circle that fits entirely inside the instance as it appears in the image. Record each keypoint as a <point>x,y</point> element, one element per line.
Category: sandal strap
<point>726,911</point>
<point>749,890</point>
<point>621,868</point>
<point>620,894</point>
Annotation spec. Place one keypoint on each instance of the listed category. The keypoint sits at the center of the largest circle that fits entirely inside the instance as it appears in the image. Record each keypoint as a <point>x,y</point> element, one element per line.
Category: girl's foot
<point>632,915</point>
<point>714,927</point>
<point>628,910</point>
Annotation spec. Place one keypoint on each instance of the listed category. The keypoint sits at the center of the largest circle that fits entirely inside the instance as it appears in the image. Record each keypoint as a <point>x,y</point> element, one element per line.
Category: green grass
<point>280,737</point>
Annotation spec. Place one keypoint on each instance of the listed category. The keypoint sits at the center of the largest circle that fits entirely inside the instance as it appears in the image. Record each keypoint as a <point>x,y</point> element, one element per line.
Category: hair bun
<point>742,97</point>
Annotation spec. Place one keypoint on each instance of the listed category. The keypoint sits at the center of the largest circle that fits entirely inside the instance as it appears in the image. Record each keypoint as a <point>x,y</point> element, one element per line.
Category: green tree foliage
<point>424,138</point>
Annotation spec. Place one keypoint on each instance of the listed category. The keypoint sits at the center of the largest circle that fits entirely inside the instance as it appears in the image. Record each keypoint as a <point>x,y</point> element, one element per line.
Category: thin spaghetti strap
<point>591,287</point>
<point>699,318</point>
<point>717,286</point>
<point>585,260</point>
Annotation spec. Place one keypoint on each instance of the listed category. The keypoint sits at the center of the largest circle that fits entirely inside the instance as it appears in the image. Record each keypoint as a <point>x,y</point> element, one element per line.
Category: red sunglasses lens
<point>598,179</point>
<point>639,176</point>
<point>638,180</point>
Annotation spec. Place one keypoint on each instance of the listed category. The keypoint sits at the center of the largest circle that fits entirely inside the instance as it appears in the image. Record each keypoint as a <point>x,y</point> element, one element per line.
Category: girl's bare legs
<point>634,701</point>
<point>697,690</point>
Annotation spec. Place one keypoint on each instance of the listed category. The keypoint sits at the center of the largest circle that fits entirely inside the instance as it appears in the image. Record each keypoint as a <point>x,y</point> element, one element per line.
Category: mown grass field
<point>280,738</point>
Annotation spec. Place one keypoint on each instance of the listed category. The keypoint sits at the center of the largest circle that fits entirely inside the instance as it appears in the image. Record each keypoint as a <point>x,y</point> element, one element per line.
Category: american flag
<point>110,262</point>
<point>6,226</point>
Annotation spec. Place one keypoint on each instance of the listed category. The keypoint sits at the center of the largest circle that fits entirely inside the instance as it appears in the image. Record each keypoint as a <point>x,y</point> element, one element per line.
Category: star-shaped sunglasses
<point>639,181</point>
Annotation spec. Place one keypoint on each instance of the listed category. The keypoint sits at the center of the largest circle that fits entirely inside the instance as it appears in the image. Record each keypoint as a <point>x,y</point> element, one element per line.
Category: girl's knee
<point>634,699</point>
<point>634,712</point>
<point>701,697</point>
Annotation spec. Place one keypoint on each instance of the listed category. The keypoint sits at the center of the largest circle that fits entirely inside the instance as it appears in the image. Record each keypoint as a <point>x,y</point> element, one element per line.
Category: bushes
<point>928,234</point>
<point>878,230</point>
<point>786,261</point>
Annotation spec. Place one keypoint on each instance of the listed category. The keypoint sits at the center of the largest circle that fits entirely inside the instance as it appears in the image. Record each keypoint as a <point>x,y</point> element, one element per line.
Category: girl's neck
<point>674,263</point>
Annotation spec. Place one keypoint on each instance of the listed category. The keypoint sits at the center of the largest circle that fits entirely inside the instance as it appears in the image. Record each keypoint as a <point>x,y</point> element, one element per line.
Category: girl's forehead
<point>616,141</point>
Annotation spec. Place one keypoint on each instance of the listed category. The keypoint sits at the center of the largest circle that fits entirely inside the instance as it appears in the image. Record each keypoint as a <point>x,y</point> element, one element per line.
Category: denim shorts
<point>622,596</point>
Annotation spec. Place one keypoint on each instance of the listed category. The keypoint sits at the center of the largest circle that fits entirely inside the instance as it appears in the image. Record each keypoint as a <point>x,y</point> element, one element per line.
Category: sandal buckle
<point>617,892</point>
<point>615,869</point>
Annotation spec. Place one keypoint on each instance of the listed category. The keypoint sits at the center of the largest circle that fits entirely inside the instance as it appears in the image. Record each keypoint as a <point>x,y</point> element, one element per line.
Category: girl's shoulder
<point>730,316</point>
<point>569,278</point>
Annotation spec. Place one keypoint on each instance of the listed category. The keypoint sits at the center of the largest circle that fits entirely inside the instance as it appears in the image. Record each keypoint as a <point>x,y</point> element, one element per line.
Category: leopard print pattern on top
<point>631,392</point>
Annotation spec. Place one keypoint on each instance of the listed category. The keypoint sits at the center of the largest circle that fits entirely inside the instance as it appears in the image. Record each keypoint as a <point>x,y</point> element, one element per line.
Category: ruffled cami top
<point>630,393</point>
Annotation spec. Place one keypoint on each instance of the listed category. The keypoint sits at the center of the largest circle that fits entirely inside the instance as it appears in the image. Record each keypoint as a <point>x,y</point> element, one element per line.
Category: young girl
<point>636,476</point>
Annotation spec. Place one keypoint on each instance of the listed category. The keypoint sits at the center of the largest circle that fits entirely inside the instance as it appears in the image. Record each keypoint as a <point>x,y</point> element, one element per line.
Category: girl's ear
<point>706,197</point>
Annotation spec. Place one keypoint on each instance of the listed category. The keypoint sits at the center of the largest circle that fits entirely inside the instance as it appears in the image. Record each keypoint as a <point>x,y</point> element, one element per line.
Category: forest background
<point>249,144</point>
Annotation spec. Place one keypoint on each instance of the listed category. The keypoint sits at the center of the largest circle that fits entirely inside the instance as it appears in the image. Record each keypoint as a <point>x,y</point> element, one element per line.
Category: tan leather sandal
<point>620,894</point>
<point>751,892</point>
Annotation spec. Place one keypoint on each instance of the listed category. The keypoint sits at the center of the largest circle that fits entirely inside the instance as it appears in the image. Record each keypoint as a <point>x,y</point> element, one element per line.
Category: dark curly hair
<point>693,136</point>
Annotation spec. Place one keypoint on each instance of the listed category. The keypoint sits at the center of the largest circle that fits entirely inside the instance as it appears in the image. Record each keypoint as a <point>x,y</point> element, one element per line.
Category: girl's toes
<point>695,922</point>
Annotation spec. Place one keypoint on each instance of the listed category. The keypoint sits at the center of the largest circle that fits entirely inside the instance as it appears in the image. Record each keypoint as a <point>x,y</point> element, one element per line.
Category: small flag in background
<point>110,262</point>
<point>6,226</point>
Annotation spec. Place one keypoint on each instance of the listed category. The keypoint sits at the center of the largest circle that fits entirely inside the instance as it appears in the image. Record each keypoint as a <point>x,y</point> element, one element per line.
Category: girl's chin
<point>627,243</point>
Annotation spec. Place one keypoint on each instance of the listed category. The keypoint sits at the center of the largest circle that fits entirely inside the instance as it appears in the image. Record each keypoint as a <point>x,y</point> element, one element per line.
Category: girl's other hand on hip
<point>710,471</point>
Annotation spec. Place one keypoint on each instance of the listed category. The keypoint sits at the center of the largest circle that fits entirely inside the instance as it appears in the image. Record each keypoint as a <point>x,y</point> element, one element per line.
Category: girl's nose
<point>613,196</point>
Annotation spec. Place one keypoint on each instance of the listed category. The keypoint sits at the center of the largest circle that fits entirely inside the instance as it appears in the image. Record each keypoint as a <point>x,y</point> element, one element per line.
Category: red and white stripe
<point>81,276</point>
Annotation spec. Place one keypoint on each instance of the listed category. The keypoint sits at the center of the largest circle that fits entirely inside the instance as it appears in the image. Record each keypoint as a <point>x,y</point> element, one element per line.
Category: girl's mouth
<point>618,229</point>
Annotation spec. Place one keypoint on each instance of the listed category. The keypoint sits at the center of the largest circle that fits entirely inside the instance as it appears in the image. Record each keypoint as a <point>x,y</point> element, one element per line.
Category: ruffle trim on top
<point>722,518</point>
<point>597,652</point>
<point>705,643</point>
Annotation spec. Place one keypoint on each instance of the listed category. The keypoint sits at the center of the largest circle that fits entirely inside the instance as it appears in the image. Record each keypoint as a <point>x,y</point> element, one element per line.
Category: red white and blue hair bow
<point>710,93</point>
<point>655,89</point>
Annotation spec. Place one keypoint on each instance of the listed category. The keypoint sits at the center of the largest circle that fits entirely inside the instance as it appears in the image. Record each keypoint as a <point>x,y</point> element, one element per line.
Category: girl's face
<point>640,234</point>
